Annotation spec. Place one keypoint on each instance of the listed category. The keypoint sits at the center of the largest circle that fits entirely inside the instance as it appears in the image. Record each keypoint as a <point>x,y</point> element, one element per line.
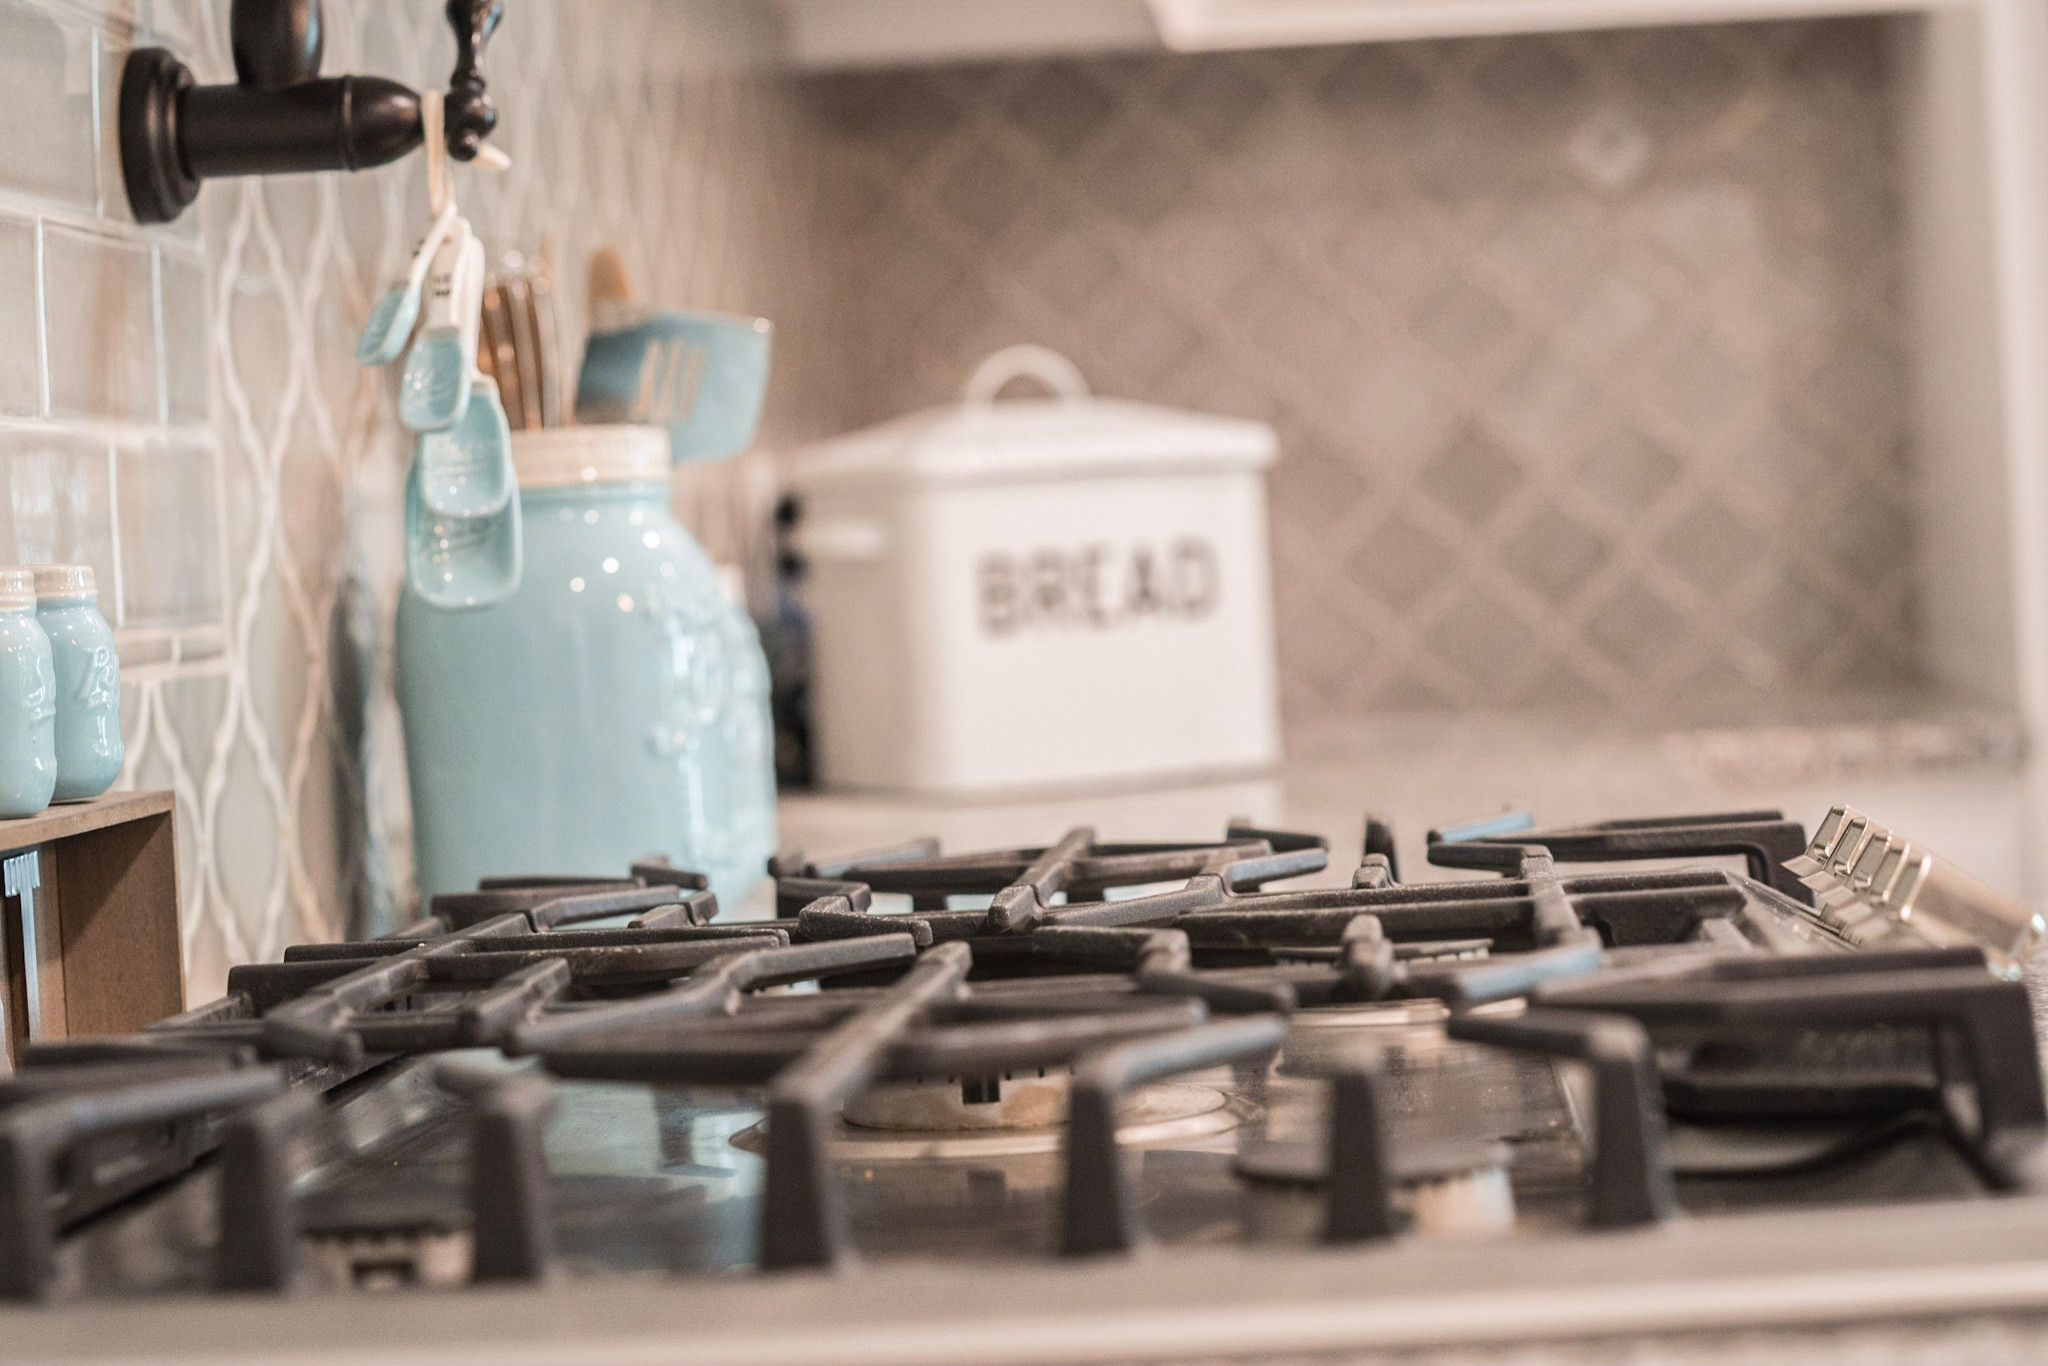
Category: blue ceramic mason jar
<point>28,701</point>
<point>583,722</point>
<point>89,750</point>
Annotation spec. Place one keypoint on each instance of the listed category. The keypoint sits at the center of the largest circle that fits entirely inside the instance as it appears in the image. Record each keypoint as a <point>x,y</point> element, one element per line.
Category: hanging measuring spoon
<point>466,470</point>
<point>392,318</point>
<point>434,387</point>
<point>457,563</point>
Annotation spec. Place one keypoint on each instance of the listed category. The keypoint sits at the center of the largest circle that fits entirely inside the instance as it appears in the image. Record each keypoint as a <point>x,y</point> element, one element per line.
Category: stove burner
<point>1007,1100</point>
<point>1450,1190</point>
<point>1094,1003</point>
<point>1166,1112</point>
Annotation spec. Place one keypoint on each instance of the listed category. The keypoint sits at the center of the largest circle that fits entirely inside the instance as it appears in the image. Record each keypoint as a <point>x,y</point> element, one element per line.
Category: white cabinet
<point>846,33</point>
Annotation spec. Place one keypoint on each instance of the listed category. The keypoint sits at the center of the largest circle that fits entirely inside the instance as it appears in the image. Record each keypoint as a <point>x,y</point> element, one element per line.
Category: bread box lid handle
<point>1025,361</point>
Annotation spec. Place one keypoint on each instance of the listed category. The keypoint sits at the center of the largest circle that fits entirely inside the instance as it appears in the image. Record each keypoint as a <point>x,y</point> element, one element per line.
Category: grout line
<point>99,132</point>
<point>114,533</point>
<point>199,433</point>
<point>42,325</point>
<point>156,309</point>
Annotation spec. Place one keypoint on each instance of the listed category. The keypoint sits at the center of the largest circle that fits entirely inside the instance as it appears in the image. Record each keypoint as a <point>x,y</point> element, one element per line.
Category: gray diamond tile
<point>1374,80</point>
<point>1531,79</point>
<point>1880,664</point>
<point>1627,470</point>
<point>1709,226</point>
<point>1398,563</point>
<point>1555,553</point>
<point>1637,630</point>
<point>1070,268</point>
<point>1411,692</point>
<point>1725,683</point>
<point>985,192</point>
<point>1558,687</point>
<point>1550,245</point>
<point>1210,256</point>
<point>1867,530</point>
<point>1139,177</point>
<point>1396,411</point>
<point>1330,652</point>
<point>1060,107</point>
<point>1471,477</point>
<point>1480,638</point>
<point>1541,402</point>
<point>1613,319</point>
<point>1463,321</point>
<point>1300,327</point>
<point>1212,97</point>
<point>1610,148</point>
<point>1796,621</point>
<point>1384,252</point>
<point>1149,342</point>
<point>904,115</point>
<point>1686,78</point>
<point>1314,488</point>
<point>1783,462</point>
<point>1711,546</point>
<point>1459,159</point>
<point>1707,392</point>
<point>915,272</point>
<point>1860,378</point>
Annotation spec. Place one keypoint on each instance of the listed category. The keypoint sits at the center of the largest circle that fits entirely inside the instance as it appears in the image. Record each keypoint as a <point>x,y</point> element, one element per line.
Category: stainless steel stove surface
<point>1148,1071</point>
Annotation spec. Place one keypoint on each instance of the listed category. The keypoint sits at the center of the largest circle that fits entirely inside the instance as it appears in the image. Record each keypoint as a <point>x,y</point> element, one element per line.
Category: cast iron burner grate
<point>1692,992</point>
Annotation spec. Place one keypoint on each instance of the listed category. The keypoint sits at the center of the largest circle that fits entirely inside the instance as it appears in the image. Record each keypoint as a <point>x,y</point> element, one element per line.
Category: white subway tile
<point>187,342</point>
<point>170,533</point>
<point>46,105</point>
<point>99,298</point>
<point>55,505</point>
<point>21,343</point>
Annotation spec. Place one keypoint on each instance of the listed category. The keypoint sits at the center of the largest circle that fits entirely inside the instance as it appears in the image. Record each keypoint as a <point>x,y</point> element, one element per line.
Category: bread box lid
<point>982,441</point>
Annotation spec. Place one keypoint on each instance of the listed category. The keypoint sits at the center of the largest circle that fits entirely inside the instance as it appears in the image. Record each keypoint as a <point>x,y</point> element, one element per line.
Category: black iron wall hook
<point>281,115</point>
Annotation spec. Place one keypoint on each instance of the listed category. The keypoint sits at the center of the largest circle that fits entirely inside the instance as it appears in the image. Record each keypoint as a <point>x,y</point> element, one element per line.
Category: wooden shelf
<point>91,919</point>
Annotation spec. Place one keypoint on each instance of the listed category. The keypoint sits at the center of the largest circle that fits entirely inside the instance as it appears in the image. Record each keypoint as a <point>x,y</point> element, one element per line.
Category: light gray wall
<point>179,407</point>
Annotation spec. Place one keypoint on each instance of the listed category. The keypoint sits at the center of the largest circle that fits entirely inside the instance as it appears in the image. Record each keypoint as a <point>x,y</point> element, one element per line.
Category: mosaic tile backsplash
<point>1585,351</point>
<point>180,407</point>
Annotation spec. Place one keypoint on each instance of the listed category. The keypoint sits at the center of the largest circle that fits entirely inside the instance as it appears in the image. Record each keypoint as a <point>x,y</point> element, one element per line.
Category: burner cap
<point>1298,1163</point>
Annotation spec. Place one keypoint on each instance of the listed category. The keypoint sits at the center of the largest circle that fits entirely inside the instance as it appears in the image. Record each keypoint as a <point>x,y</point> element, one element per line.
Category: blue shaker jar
<point>89,750</point>
<point>28,701</point>
<point>580,723</point>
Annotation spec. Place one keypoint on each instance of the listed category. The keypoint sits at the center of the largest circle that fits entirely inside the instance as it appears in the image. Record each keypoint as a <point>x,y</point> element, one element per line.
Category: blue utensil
<point>701,375</point>
<point>466,470</point>
<point>458,563</point>
<point>434,388</point>
<point>392,318</point>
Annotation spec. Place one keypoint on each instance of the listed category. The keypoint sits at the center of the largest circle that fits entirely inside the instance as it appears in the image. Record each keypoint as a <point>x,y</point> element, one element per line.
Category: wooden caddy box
<point>91,918</point>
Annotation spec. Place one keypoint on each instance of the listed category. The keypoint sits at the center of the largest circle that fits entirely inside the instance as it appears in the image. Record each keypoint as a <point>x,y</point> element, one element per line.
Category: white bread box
<point>1039,594</point>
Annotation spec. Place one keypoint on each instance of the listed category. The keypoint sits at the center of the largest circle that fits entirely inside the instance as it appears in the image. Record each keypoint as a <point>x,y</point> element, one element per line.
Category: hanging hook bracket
<point>280,116</point>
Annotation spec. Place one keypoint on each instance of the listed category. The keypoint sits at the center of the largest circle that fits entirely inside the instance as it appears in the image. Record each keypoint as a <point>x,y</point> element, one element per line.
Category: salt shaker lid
<point>63,580</point>
<point>17,589</point>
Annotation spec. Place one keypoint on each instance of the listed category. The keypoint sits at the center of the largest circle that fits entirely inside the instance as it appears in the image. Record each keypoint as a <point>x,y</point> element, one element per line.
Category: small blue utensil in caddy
<point>578,684</point>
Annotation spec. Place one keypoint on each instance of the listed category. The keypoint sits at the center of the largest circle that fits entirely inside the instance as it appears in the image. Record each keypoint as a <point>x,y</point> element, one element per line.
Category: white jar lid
<point>64,580</point>
<point>17,589</point>
<point>607,453</point>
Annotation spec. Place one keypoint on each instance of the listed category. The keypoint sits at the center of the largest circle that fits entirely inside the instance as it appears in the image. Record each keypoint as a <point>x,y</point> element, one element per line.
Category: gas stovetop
<point>1154,1072</point>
